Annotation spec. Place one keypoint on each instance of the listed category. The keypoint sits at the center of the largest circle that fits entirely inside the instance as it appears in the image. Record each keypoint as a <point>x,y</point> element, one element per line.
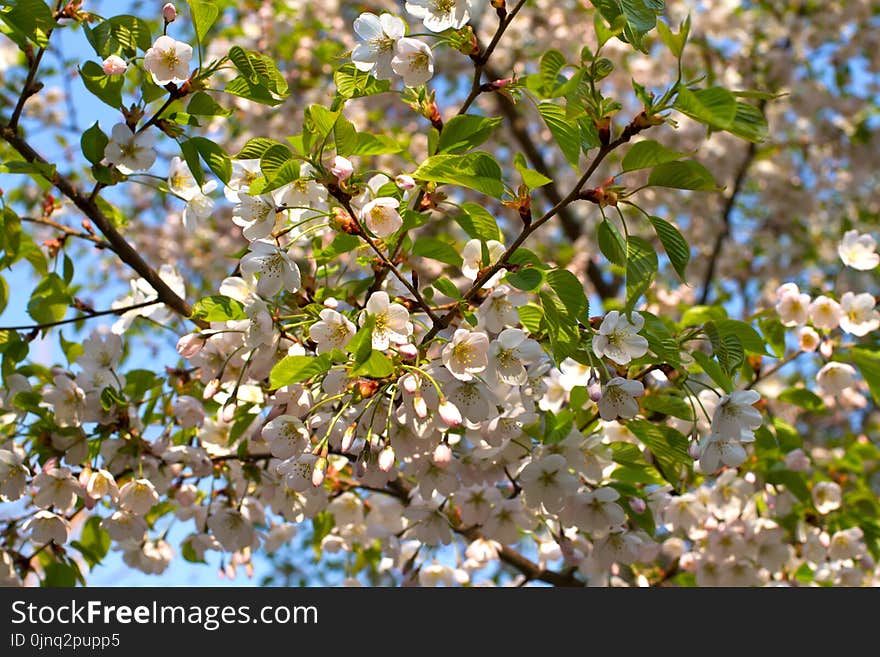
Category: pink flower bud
<point>342,168</point>
<point>318,472</point>
<point>228,412</point>
<point>348,436</point>
<point>797,460</point>
<point>405,182</point>
<point>211,389</point>
<point>408,351</point>
<point>826,348</point>
<point>169,12</point>
<point>386,459</point>
<point>420,407</point>
<point>410,383</point>
<point>190,344</point>
<point>114,65</point>
<point>442,455</point>
<point>450,414</point>
<point>637,504</point>
<point>694,450</point>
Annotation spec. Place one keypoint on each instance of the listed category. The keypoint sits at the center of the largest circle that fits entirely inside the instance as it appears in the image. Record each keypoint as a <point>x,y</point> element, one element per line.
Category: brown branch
<point>726,213</point>
<point>88,206</point>
<point>67,230</point>
<point>571,227</point>
<point>71,320</point>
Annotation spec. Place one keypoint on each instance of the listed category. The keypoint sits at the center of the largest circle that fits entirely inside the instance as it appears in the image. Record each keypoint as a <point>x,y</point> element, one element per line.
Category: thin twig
<point>71,320</point>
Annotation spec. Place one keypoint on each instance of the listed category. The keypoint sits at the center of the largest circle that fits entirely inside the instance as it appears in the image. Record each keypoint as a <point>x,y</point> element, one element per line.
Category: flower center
<point>443,6</point>
<point>170,58</point>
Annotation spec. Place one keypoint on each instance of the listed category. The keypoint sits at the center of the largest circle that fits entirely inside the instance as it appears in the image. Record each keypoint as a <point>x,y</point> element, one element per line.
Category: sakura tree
<point>443,292</point>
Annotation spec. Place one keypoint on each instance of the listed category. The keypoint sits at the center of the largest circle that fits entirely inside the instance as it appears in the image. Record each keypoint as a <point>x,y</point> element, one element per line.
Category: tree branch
<point>726,213</point>
<point>67,230</point>
<point>71,320</point>
<point>120,246</point>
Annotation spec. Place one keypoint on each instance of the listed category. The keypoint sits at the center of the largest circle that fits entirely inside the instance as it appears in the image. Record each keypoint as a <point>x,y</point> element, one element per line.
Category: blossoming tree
<point>461,292</point>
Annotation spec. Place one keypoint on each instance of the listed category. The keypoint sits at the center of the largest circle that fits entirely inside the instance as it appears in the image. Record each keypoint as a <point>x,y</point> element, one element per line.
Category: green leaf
<point>478,171</point>
<point>218,308</point>
<point>562,327</point>
<point>697,315</point>
<point>640,15</point>
<point>107,88</point>
<point>868,363</point>
<point>369,144</point>
<point>478,223</point>
<point>569,290</point>
<point>260,70</point>
<point>660,340</point>
<point>727,347</point>
<point>214,156</point>
<point>465,132</point>
<point>93,142</point>
<point>377,366</point>
<point>749,123</point>
<point>682,175</point>
<point>203,15</point>
<point>119,35</point>
<point>4,294</point>
<point>351,83</point>
<point>201,104</point>
<point>552,62</point>
<point>611,243</point>
<point>32,19</point>
<point>49,300</point>
<point>60,575</point>
<point>641,267</point>
<point>675,42</point>
<point>674,243</point>
<point>669,447</point>
<point>527,278</point>
<point>750,339</point>
<point>437,249</point>
<point>447,287</point>
<point>94,542</point>
<point>191,156</point>
<point>530,315</point>
<point>714,107</point>
<point>566,133</point>
<point>531,178</point>
<point>668,405</point>
<point>296,369</point>
<point>802,397</point>
<point>713,370</point>
<point>248,90</point>
<point>647,154</point>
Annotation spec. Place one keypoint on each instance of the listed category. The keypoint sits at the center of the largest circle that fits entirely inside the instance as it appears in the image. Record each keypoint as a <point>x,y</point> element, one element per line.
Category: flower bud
<point>410,383</point>
<point>405,182</point>
<point>442,455</point>
<point>190,344</point>
<point>449,413</point>
<point>228,412</point>
<point>348,436</point>
<point>637,504</point>
<point>211,389</point>
<point>318,472</point>
<point>386,459</point>
<point>169,12</point>
<point>797,460</point>
<point>826,348</point>
<point>420,407</point>
<point>594,387</point>
<point>408,351</point>
<point>694,450</point>
<point>114,65</point>
<point>342,168</point>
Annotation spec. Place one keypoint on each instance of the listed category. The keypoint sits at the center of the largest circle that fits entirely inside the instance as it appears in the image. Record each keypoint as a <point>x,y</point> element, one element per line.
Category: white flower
<point>189,411</point>
<point>594,511</point>
<point>13,475</point>
<point>298,472</point>
<point>101,483</point>
<point>715,450</point>
<point>391,321</point>
<point>142,291</point>
<point>100,351</point>
<point>466,354</point>
<point>858,251</point>
<point>792,305</point>
<point>244,172</point>
<point>199,205</point>
<point>547,481</point>
<point>168,61</point>
<point>846,544</point>
<point>500,308</point>
<point>510,353</point>
<point>808,339</point>
<point>859,316</point>
<point>834,378</point>
<point>825,313</point>
<point>735,416</point>
<point>45,526</point>
<point>138,496</point>
<point>382,217</point>
<point>255,214</point>
<point>413,61</point>
<point>826,497</point>
<point>305,197</point>
<point>114,65</point>
<point>472,259</point>
<point>67,400</point>
<point>57,488</point>
<point>379,35</point>
<point>440,15</point>
<point>232,529</point>
<point>124,527</point>
<point>333,331</point>
<point>275,268</point>
<point>618,399</point>
<point>128,151</point>
<point>287,436</point>
<point>618,338</point>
